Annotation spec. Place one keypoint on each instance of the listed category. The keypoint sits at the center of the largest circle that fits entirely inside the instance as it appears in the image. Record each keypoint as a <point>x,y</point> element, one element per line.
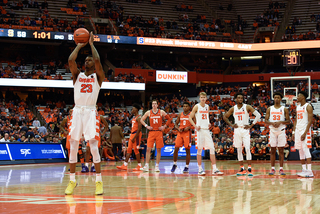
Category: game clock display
<point>291,58</point>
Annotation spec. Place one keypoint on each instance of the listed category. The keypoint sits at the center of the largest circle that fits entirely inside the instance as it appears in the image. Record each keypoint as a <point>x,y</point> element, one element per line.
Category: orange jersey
<point>135,125</point>
<point>184,121</point>
<point>155,120</point>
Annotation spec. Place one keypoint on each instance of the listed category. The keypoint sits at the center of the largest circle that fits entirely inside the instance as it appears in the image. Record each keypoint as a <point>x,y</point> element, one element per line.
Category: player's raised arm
<point>72,61</point>
<point>255,113</point>
<point>192,115</point>
<point>96,59</point>
<point>143,118</point>
<point>226,118</point>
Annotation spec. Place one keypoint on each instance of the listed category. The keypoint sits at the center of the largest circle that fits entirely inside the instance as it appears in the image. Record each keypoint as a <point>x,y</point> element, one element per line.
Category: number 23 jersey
<point>241,116</point>
<point>86,90</point>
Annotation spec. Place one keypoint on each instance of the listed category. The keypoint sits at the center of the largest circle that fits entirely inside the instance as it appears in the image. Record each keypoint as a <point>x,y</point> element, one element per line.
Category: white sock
<point>139,164</point>
<point>175,163</point>
<point>309,167</point>
<point>214,166</point>
<point>273,167</point>
<point>157,165</point>
<point>304,166</point>
<point>87,164</point>
<point>146,165</point>
<point>73,177</point>
<point>281,168</point>
<point>125,163</point>
<point>98,177</point>
<point>200,167</point>
<point>187,166</point>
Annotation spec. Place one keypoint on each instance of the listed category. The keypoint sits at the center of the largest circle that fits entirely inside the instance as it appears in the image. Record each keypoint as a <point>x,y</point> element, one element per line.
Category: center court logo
<point>25,152</point>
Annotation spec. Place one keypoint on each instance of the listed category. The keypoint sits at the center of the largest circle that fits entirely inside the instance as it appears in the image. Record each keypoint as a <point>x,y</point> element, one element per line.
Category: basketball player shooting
<point>86,90</point>
<point>241,135</point>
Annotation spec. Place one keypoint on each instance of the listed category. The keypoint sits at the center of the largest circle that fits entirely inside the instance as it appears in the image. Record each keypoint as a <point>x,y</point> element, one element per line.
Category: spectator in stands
<point>220,6</point>
<point>36,123</point>
<point>312,17</point>
<point>44,4</point>
<point>229,7</point>
<point>5,138</point>
<point>316,152</point>
<point>42,130</point>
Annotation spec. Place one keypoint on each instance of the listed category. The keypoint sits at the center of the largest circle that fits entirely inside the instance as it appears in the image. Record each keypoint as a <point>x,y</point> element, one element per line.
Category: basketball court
<point>40,189</point>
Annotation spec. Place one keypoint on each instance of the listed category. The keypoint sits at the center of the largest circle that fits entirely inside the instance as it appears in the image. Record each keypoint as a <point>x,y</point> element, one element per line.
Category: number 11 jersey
<point>241,116</point>
<point>86,90</point>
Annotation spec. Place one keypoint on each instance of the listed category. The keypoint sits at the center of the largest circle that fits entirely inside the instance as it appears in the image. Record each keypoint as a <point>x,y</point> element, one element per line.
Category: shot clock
<point>291,58</point>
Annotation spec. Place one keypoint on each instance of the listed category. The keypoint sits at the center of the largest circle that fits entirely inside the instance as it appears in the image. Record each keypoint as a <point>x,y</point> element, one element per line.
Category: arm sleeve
<point>258,116</point>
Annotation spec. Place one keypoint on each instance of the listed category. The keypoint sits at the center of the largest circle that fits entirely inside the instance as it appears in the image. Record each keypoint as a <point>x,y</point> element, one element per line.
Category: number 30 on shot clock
<point>291,58</point>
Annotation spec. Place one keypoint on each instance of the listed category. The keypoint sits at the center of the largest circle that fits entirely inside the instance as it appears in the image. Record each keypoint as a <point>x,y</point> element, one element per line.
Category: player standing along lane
<point>277,117</point>
<point>135,139</point>
<point>183,136</point>
<point>302,133</point>
<point>86,90</point>
<point>155,132</point>
<point>203,137</point>
<point>241,135</point>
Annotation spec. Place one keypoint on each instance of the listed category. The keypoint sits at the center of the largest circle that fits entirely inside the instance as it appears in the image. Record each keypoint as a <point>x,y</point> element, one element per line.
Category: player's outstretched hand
<point>303,136</point>
<point>149,127</point>
<point>91,39</point>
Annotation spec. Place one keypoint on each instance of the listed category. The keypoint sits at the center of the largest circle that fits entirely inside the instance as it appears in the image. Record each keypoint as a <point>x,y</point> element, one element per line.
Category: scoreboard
<point>291,58</point>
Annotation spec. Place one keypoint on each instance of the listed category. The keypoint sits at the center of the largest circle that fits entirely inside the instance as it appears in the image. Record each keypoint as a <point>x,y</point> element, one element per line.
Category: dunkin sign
<point>172,76</point>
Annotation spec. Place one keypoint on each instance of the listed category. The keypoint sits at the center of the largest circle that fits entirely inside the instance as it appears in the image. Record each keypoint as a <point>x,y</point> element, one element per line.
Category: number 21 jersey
<point>241,116</point>
<point>202,116</point>
<point>86,90</point>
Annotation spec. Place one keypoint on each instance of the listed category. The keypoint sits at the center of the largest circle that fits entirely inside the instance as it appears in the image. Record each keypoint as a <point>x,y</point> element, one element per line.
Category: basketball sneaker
<point>250,172</point>
<point>217,172</point>
<point>273,171</point>
<point>201,172</point>
<point>281,172</point>
<point>242,172</point>
<point>123,167</point>
<point>145,168</point>
<point>156,169</point>
<point>99,188</point>
<point>85,169</point>
<point>307,174</point>
<point>70,187</point>
<point>138,168</point>
<point>302,172</point>
<point>93,169</point>
<point>174,167</point>
<point>186,170</point>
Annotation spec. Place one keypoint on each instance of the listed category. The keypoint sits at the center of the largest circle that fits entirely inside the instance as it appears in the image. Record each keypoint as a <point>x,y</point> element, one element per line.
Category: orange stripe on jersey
<point>155,120</point>
<point>184,121</point>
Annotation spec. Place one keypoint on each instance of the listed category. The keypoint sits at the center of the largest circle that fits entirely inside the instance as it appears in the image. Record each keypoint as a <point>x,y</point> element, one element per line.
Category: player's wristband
<point>145,125</point>
<point>292,132</point>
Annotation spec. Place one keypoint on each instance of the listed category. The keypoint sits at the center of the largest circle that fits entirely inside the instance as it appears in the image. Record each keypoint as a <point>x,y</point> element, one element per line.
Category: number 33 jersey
<point>277,115</point>
<point>86,90</point>
<point>202,116</point>
<point>241,116</point>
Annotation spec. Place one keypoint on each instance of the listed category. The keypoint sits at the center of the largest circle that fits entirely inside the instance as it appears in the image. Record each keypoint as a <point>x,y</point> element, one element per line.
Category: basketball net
<point>289,99</point>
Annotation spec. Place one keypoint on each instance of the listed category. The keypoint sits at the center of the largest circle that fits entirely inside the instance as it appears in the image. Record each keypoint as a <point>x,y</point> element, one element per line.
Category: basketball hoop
<point>289,99</point>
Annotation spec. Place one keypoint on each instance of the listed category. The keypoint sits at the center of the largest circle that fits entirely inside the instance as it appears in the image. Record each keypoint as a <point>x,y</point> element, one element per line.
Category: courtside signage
<point>168,150</point>
<point>4,153</point>
<point>172,76</point>
<point>68,84</point>
<point>29,151</point>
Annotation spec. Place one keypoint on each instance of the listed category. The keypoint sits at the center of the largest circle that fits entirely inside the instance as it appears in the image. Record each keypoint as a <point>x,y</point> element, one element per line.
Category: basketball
<point>81,35</point>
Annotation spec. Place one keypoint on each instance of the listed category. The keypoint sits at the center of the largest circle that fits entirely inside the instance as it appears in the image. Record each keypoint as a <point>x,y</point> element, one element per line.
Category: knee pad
<point>301,154</point>
<point>307,152</point>
<point>94,151</point>
<point>73,151</point>
<point>199,151</point>
<point>248,153</point>
<point>239,153</point>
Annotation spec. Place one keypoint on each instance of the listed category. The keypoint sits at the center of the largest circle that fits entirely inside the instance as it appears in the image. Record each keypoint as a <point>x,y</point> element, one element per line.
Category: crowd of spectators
<point>270,16</point>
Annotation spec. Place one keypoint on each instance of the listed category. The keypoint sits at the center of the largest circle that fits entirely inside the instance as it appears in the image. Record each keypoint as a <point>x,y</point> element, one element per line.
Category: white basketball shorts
<point>204,139</point>
<point>277,138</point>
<point>241,137</point>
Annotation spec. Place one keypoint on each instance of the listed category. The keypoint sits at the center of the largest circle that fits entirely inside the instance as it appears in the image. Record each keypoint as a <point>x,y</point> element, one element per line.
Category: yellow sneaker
<point>70,187</point>
<point>99,188</point>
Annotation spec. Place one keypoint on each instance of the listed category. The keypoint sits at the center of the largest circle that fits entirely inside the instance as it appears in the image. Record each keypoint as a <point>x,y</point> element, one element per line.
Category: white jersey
<point>302,117</point>
<point>241,116</point>
<point>277,115</point>
<point>86,90</point>
<point>202,116</point>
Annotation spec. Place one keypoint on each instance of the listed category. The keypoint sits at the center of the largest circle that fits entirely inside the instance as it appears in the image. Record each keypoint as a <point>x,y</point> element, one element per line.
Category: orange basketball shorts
<point>183,139</point>
<point>155,136</point>
<point>133,145</point>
